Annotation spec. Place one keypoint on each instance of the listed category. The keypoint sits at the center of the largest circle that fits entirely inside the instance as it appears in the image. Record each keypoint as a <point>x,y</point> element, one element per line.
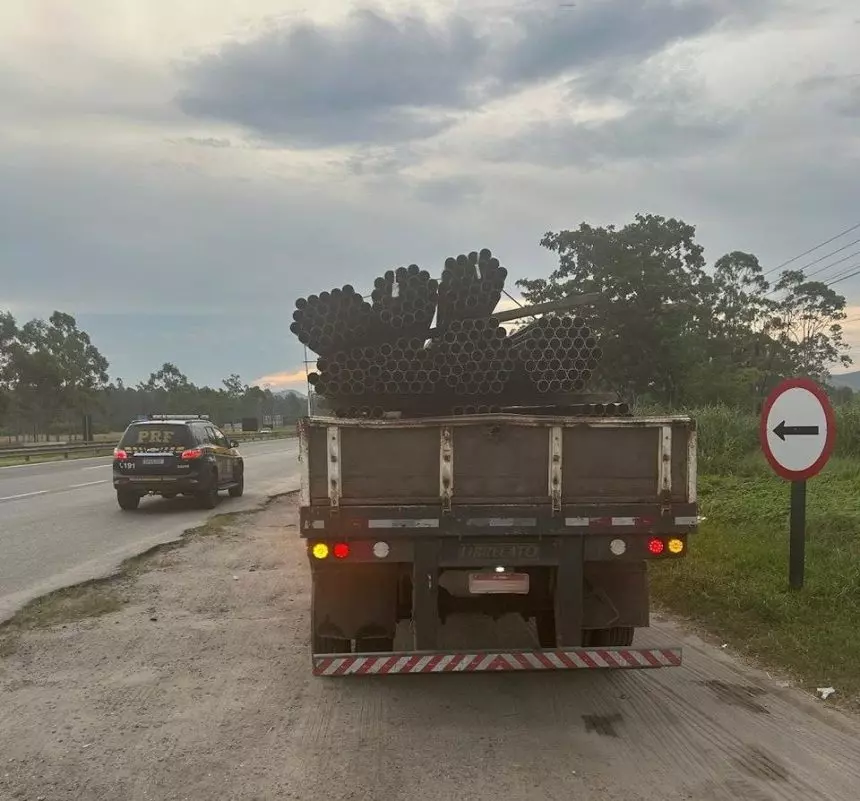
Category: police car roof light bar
<point>177,417</point>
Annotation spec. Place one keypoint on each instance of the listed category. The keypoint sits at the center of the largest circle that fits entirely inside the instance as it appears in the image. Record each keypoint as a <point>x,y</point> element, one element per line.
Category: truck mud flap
<point>331,665</point>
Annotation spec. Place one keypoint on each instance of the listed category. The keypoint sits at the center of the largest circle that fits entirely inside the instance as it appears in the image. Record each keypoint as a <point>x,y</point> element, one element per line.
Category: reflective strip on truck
<point>486,662</point>
<point>625,522</point>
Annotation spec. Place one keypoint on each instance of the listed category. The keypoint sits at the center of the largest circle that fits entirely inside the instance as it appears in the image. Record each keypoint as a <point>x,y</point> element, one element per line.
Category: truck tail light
<point>656,546</point>
<point>341,550</point>
<point>320,550</point>
<point>381,549</point>
<point>675,545</point>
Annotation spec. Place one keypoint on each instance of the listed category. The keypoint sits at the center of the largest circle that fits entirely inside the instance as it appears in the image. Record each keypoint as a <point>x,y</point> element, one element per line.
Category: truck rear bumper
<point>331,665</point>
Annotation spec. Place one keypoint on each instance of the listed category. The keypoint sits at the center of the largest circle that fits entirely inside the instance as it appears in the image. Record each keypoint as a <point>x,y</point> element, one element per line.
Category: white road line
<point>89,484</point>
<point>96,467</point>
<point>24,495</point>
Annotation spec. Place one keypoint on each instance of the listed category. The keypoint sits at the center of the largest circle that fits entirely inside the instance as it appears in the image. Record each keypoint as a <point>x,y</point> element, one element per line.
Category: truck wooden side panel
<point>499,459</point>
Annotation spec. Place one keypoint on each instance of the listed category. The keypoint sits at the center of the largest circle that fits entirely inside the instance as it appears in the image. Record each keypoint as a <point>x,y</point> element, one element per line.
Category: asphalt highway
<point>60,523</point>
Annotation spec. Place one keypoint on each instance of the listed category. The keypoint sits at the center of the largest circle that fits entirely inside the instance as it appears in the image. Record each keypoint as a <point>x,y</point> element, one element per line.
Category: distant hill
<point>850,380</point>
<point>285,393</point>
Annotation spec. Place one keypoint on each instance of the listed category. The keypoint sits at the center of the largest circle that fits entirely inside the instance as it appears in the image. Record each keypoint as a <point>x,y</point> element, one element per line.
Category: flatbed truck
<point>552,518</point>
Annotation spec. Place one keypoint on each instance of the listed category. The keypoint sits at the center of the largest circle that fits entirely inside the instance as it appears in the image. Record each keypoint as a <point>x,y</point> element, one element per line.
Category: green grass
<point>735,579</point>
<point>729,438</point>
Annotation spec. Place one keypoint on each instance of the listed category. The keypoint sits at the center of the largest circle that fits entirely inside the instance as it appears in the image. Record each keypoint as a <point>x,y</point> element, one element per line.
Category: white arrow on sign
<point>797,428</point>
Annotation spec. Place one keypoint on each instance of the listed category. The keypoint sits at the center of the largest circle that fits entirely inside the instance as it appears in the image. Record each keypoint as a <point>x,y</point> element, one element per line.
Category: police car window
<point>221,438</point>
<point>201,433</point>
<point>152,436</point>
<point>212,435</point>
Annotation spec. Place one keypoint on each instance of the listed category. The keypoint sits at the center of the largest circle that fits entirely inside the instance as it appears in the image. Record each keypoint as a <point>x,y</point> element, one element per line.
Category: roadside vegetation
<point>734,582</point>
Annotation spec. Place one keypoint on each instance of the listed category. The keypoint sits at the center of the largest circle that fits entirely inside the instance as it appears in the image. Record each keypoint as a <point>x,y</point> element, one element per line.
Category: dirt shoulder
<point>189,678</point>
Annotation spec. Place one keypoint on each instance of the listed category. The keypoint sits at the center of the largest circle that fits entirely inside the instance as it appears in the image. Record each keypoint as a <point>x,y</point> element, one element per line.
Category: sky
<point>176,174</point>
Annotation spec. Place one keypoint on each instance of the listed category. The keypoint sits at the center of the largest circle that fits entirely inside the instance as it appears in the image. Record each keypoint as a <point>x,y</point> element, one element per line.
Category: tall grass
<point>729,439</point>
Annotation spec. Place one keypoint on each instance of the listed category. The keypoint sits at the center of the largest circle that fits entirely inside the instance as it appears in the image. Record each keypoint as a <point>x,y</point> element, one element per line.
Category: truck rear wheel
<point>370,645</point>
<point>545,624</point>
<point>331,645</point>
<point>617,637</point>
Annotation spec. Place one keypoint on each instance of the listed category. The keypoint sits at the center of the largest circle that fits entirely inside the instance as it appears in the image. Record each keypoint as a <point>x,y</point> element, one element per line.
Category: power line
<point>833,264</point>
<point>845,276</point>
<point>827,256</point>
<point>838,275</point>
<point>812,250</point>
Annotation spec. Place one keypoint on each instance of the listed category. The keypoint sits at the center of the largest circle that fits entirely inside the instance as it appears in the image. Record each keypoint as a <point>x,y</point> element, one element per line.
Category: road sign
<point>798,429</point>
<point>797,433</point>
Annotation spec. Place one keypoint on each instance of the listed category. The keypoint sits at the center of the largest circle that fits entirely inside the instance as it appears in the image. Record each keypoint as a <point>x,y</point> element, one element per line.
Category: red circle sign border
<point>810,386</point>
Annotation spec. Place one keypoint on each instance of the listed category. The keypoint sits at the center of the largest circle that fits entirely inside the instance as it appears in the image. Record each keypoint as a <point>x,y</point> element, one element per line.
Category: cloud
<point>840,92</point>
<point>368,78</point>
<point>550,43</point>
<point>372,77</point>
<point>282,380</point>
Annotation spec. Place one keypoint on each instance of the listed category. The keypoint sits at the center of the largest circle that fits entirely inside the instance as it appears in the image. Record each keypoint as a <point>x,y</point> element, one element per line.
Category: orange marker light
<point>320,550</point>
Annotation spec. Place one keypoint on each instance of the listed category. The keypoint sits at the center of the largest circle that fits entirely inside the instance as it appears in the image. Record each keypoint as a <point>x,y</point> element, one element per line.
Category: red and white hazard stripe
<point>587,658</point>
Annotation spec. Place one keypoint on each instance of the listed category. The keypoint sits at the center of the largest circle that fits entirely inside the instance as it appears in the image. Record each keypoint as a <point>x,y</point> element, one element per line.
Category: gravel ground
<point>198,686</point>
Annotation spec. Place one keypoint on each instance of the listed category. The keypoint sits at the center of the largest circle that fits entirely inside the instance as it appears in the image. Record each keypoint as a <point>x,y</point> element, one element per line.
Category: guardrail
<point>64,450</point>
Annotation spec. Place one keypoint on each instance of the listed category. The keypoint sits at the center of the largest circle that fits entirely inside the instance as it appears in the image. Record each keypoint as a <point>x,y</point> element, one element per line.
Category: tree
<point>50,369</point>
<point>651,318</point>
<point>677,334</point>
<point>807,325</point>
<point>8,336</point>
<point>82,368</point>
<point>169,378</point>
<point>234,387</point>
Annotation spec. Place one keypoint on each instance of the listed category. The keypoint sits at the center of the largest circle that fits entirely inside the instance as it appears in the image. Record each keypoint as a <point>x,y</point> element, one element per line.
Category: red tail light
<point>194,453</point>
<point>341,550</point>
<point>656,546</point>
<point>119,453</point>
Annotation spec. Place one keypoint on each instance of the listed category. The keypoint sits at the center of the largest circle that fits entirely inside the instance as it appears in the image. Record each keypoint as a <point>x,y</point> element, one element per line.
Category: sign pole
<point>797,432</point>
<point>797,535</point>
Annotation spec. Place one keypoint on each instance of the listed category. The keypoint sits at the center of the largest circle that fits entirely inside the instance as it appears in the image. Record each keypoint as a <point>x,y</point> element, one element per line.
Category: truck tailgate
<point>499,460</point>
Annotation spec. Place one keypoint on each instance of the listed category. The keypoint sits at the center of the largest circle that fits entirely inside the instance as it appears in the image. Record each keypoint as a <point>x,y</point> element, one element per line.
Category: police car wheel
<point>128,501</point>
<point>209,497</point>
<point>236,492</point>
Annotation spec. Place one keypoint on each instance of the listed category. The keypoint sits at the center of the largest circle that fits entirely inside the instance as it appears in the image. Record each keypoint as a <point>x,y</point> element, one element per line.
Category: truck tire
<point>370,645</point>
<point>331,645</point>
<point>545,624</point>
<point>128,501</point>
<point>617,637</point>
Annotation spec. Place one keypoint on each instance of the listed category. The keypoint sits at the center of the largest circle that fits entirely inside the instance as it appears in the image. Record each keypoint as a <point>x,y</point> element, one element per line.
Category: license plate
<point>510,583</point>
<point>153,461</point>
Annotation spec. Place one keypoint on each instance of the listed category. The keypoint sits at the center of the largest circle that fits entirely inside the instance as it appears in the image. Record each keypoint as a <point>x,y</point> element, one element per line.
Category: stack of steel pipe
<point>400,368</point>
<point>471,287</point>
<point>557,354</point>
<point>404,302</point>
<point>331,320</point>
<point>475,357</point>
